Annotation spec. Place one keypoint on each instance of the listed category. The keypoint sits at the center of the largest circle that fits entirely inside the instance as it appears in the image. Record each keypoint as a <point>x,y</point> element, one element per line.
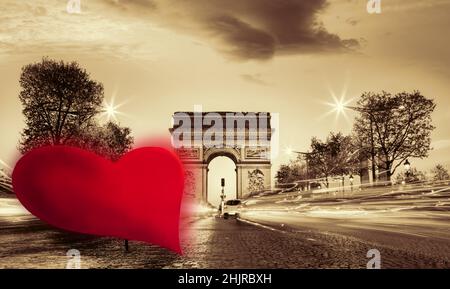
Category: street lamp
<point>407,167</point>
<point>351,182</point>
<point>340,106</point>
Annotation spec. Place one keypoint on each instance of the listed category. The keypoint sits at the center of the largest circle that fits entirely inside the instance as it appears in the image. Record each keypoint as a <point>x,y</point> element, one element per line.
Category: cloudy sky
<point>287,56</point>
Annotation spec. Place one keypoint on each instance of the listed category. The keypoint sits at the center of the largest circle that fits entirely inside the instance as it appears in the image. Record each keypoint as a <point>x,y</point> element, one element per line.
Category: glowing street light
<point>340,106</point>
<point>110,110</point>
<point>289,151</point>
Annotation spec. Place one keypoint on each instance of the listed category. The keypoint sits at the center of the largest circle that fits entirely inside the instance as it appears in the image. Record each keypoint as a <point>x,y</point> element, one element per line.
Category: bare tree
<point>109,140</point>
<point>332,157</point>
<point>400,126</point>
<point>59,99</point>
<point>292,172</point>
<point>60,104</point>
<point>440,173</point>
<point>283,174</point>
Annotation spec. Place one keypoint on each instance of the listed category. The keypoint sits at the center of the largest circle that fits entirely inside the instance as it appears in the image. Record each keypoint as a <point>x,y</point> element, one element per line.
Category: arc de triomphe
<point>244,137</point>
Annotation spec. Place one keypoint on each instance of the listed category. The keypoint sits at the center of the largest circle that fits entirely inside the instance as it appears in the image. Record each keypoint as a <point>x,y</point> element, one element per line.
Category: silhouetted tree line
<point>388,130</point>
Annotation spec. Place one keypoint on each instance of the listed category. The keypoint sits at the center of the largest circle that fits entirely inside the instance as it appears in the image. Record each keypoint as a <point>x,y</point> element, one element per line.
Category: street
<point>217,243</point>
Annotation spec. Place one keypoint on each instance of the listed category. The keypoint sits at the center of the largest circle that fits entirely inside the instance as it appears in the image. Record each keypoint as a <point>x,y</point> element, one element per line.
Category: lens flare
<point>339,105</point>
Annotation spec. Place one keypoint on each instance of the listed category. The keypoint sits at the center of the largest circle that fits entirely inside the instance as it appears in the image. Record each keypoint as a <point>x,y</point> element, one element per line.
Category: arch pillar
<point>238,181</point>
<point>204,168</point>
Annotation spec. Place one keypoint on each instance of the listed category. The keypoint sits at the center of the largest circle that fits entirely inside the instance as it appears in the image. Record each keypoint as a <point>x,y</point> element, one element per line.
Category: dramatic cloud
<point>44,27</point>
<point>250,29</point>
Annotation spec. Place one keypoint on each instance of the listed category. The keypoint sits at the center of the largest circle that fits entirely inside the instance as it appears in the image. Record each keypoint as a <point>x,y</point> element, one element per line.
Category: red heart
<point>135,198</point>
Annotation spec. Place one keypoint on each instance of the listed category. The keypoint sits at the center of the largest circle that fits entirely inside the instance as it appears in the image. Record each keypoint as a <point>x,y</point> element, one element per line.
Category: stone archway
<point>247,156</point>
<point>231,153</point>
<point>221,166</point>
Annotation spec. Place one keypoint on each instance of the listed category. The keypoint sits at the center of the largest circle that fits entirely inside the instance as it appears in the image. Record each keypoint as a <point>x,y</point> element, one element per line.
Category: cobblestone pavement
<point>214,243</point>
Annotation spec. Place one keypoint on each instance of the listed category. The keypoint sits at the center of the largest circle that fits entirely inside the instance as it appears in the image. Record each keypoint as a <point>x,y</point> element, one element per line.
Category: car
<point>232,208</point>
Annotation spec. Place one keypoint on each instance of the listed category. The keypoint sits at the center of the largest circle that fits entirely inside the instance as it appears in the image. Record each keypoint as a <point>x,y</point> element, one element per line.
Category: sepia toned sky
<point>156,57</point>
